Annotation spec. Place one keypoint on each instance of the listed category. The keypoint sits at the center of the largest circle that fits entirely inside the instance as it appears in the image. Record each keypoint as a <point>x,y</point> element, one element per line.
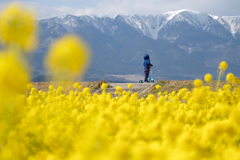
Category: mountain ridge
<point>137,20</point>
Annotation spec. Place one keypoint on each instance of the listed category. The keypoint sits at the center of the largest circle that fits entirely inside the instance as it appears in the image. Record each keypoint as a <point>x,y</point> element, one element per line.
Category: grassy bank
<point>68,85</point>
<point>166,85</point>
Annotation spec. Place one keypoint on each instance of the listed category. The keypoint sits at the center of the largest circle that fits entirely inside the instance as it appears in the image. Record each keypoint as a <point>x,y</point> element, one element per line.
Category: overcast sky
<point>51,8</point>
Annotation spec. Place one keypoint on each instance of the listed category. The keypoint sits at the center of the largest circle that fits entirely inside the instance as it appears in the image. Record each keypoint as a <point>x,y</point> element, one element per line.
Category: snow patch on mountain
<point>232,23</point>
<point>148,25</point>
<point>213,16</point>
<point>62,16</point>
<point>208,23</point>
<point>171,38</point>
<point>92,20</point>
<point>171,14</point>
<point>186,16</point>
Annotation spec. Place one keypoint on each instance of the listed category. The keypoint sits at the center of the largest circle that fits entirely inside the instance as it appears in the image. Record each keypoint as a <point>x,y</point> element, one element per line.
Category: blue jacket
<point>146,62</point>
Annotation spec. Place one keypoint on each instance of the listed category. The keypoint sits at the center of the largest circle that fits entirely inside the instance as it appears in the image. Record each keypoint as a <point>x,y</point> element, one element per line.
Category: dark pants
<point>146,72</point>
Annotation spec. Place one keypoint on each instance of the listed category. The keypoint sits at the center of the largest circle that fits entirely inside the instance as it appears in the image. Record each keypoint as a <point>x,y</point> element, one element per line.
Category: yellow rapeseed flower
<point>76,85</point>
<point>223,65</point>
<point>230,77</point>
<point>104,86</point>
<point>198,95</point>
<point>29,86</point>
<point>235,80</point>
<point>18,27</point>
<point>119,89</point>
<point>68,57</point>
<point>208,77</point>
<point>13,78</point>
<point>158,87</point>
<point>198,83</point>
<point>79,87</point>
<point>130,86</point>
<point>51,87</point>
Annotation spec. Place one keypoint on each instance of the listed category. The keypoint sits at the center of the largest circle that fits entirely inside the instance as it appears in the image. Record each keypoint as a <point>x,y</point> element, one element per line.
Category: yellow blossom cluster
<point>231,78</point>
<point>68,56</point>
<point>202,124</point>
<point>18,27</point>
<point>198,124</point>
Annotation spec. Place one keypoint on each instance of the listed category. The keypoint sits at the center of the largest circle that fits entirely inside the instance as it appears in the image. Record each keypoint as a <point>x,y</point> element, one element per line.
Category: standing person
<point>147,65</point>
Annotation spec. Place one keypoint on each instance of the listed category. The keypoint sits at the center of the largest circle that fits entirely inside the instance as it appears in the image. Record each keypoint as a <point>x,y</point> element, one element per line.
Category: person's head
<point>146,56</point>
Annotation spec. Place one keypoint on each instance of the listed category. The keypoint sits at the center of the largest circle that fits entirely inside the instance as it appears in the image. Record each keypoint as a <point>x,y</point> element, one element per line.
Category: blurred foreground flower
<point>68,57</point>
<point>13,78</point>
<point>18,27</point>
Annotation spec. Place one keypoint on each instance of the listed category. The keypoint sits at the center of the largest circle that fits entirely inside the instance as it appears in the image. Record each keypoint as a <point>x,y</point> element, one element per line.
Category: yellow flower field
<point>198,124</point>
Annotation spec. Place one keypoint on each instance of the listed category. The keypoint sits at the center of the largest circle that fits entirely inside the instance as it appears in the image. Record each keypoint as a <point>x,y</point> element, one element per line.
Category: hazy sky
<point>51,8</point>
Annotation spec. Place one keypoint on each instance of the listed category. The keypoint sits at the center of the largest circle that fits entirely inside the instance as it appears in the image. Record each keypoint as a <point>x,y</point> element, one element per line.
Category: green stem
<point>219,77</point>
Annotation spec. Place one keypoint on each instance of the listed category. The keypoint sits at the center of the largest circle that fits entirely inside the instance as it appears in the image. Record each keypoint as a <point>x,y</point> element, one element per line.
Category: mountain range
<point>182,44</point>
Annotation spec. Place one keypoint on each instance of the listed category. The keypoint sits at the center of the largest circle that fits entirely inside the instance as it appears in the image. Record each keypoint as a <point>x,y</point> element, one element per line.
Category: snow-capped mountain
<point>150,25</point>
<point>187,40</point>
